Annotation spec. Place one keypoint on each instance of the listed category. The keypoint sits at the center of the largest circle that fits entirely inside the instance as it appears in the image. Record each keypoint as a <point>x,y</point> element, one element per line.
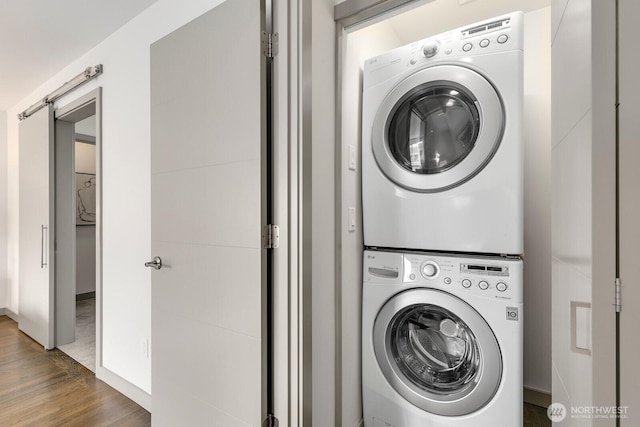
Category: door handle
<point>156,263</point>
<point>43,231</point>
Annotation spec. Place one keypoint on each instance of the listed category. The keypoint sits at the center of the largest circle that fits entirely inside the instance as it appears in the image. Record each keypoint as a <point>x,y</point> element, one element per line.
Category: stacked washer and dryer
<point>442,190</point>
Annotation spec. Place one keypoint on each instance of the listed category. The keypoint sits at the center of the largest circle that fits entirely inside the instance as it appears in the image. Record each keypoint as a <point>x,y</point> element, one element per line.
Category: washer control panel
<point>490,277</point>
<point>430,269</point>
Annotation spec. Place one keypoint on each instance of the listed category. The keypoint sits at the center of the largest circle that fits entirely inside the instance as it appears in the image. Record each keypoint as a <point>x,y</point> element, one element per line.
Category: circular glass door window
<point>434,128</point>
<point>437,128</point>
<point>434,349</point>
<point>437,352</point>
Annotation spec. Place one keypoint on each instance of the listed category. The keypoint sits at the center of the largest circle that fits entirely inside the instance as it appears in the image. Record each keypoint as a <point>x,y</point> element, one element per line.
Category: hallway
<point>48,388</point>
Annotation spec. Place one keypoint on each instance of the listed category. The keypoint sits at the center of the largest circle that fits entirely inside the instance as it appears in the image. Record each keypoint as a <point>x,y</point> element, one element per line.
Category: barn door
<point>36,305</point>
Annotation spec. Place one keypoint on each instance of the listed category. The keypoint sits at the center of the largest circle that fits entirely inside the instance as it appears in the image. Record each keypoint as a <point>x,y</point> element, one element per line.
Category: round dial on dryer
<point>430,48</point>
<point>430,270</point>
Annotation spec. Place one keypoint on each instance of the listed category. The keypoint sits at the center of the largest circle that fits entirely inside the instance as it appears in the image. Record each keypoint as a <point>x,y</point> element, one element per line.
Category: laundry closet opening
<point>360,39</point>
<point>77,189</point>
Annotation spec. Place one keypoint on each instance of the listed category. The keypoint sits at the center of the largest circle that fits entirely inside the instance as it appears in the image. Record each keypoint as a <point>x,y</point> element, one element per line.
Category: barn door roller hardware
<point>88,74</point>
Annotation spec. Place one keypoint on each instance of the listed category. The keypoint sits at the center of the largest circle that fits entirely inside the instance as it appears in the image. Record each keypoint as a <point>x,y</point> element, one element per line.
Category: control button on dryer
<point>502,38</point>
<point>412,276</point>
<point>466,283</point>
<point>501,286</point>
<point>483,285</point>
<point>467,47</point>
<point>447,280</point>
<point>484,42</point>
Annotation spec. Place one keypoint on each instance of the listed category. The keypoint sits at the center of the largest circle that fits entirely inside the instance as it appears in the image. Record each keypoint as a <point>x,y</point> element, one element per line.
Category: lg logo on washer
<point>512,313</point>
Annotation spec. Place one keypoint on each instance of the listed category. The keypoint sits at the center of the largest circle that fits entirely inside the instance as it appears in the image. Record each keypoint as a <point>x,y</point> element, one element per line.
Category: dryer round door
<point>438,128</point>
<point>437,352</point>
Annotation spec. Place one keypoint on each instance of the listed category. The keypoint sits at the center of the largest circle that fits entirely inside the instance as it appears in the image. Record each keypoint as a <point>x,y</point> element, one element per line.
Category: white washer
<point>442,142</point>
<point>441,340</point>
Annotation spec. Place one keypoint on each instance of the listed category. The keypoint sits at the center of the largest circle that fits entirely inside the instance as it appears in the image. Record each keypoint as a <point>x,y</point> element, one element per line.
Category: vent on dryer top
<point>487,27</point>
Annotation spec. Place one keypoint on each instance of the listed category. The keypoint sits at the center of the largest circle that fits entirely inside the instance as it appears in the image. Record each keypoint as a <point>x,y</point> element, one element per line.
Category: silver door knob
<point>156,263</point>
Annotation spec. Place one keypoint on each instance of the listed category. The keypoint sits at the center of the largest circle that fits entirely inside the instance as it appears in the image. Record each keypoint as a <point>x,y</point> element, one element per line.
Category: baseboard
<point>537,397</point>
<point>87,295</point>
<point>133,392</point>
<point>4,311</point>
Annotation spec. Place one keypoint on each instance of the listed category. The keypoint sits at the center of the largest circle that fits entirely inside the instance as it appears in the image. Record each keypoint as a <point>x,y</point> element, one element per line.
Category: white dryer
<point>442,142</point>
<point>441,340</point>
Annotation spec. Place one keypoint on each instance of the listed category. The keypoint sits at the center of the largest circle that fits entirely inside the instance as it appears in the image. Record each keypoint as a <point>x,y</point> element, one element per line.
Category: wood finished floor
<point>535,416</point>
<point>48,388</point>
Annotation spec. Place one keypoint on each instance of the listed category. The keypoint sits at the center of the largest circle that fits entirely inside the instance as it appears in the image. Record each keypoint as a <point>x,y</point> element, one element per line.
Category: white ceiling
<point>443,15</point>
<point>38,38</point>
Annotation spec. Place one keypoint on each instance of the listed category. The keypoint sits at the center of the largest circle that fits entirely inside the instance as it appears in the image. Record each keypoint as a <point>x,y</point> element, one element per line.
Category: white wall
<point>571,164</point>
<point>537,200</point>
<point>85,259</point>
<point>85,157</point>
<point>86,126</point>
<point>3,210</point>
<point>360,45</point>
<point>323,215</point>
<point>126,189</point>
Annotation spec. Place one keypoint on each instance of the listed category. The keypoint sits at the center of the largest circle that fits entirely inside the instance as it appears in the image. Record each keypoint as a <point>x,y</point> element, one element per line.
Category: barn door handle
<point>43,232</point>
<point>156,263</point>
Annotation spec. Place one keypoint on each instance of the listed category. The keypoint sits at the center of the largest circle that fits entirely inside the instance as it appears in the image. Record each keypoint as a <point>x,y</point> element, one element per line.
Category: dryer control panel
<point>498,35</point>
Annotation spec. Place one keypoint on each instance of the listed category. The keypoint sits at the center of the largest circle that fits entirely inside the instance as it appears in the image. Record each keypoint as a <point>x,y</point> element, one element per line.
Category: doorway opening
<point>77,219</point>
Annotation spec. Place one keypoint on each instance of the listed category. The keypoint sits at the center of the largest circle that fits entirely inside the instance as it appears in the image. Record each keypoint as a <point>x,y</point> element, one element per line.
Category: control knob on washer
<point>430,48</point>
<point>430,269</point>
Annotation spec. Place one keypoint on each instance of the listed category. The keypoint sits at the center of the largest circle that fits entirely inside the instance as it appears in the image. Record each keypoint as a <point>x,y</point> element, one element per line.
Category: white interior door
<point>629,213</point>
<point>207,133</point>
<point>35,230</point>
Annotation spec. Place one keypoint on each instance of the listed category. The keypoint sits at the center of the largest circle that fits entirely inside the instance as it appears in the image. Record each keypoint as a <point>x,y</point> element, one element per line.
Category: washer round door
<point>437,352</point>
<point>438,128</point>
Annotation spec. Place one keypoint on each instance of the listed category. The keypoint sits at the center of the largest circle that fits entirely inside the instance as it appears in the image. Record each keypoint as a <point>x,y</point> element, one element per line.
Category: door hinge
<point>269,44</point>
<point>271,421</point>
<point>271,237</point>
<point>618,301</point>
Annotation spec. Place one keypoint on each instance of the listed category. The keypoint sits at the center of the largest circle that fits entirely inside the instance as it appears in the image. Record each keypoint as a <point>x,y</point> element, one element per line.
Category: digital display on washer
<point>491,270</point>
